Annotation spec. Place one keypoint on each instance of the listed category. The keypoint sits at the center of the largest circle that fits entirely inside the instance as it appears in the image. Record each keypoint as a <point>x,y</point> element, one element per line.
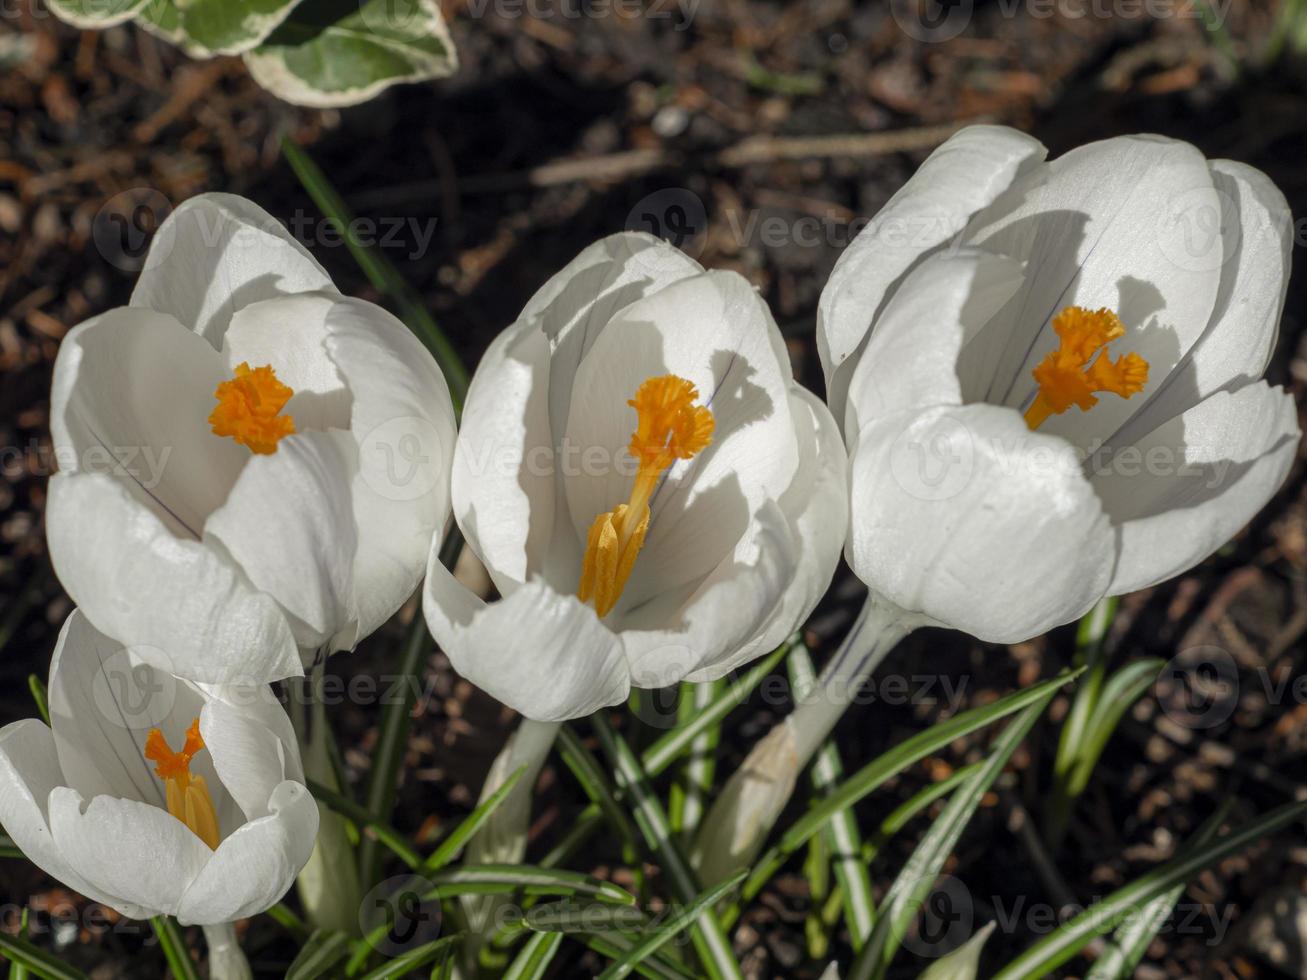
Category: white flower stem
<point>502,840</point>
<point>755,795</point>
<point>226,959</point>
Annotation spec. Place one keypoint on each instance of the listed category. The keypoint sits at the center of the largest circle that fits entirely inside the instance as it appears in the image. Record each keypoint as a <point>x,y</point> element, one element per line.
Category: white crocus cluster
<point>252,466</point>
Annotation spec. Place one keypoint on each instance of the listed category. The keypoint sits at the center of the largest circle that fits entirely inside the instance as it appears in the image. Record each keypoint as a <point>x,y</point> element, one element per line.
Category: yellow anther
<point>669,427</point>
<point>1081,367</point>
<point>186,793</point>
<point>249,407</point>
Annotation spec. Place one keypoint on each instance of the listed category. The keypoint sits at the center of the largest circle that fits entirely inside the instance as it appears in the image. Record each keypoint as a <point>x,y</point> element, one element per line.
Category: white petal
<point>402,421</point>
<point>543,654</point>
<point>248,757</point>
<point>676,635</point>
<point>137,851</point>
<point>714,331</point>
<point>217,253</point>
<point>290,334</point>
<point>132,394</point>
<point>178,604</point>
<point>503,483</point>
<point>575,305</point>
<point>817,506</point>
<point>959,178</point>
<point>289,524</point>
<point>103,703</point>
<point>967,516</point>
<point>1235,349</point>
<point>254,868</point>
<point>29,772</point>
<point>1109,227</point>
<point>912,360</point>
<point>1190,484</point>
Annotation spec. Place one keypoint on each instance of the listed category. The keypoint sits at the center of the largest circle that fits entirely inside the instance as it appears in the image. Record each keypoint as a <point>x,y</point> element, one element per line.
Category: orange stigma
<point>187,795</point>
<point>249,406</point>
<point>669,427</point>
<point>1081,367</point>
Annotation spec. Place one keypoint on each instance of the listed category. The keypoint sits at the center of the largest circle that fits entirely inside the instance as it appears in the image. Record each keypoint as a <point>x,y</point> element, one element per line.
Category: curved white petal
<point>103,702</point>
<point>545,655</point>
<point>1111,226</point>
<point>817,507</point>
<point>254,868</point>
<point>1003,534</point>
<point>575,305</point>
<point>676,635</point>
<point>131,849</point>
<point>131,398</point>
<point>1186,487</point>
<point>289,524</point>
<point>402,421</point>
<point>289,333</point>
<point>217,253</point>
<point>29,772</point>
<point>503,482</point>
<point>714,331</point>
<point>958,179</point>
<point>248,757</point>
<point>913,359</point>
<point>179,605</point>
<point>1257,227</point>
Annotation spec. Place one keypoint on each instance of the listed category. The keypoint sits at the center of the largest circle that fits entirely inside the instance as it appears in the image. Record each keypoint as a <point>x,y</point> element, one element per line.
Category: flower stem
<point>226,959</point>
<point>755,795</point>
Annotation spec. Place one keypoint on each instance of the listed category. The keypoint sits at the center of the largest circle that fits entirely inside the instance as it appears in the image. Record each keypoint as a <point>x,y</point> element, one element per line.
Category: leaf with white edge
<point>163,19</point>
<point>343,52</point>
<point>231,26</point>
<point>963,963</point>
<point>95,13</point>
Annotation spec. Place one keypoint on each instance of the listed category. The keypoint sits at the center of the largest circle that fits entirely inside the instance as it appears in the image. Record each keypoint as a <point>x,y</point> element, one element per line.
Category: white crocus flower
<point>1048,379</point>
<point>153,795</point>
<point>654,496</point>
<point>251,464</point>
<point>1050,385</point>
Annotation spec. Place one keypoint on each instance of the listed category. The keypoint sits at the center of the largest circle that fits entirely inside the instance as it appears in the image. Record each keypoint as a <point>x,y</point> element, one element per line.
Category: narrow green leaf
<point>352,811</point>
<point>323,950</point>
<point>713,947</point>
<point>388,757</point>
<point>670,747</point>
<point>963,963</point>
<point>659,966</point>
<point>594,917</point>
<point>38,961</point>
<point>288,920</point>
<point>918,802</point>
<point>873,775</point>
<point>917,878</point>
<point>592,779</point>
<point>1125,687</point>
<point>174,947</point>
<point>465,831</point>
<point>1127,946</point>
<point>427,953</point>
<point>699,769</point>
<point>16,970</point>
<point>500,879</point>
<point>1063,943</point>
<point>535,957</point>
<point>664,933</point>
<point>380,272</point>
<point>39,695</point>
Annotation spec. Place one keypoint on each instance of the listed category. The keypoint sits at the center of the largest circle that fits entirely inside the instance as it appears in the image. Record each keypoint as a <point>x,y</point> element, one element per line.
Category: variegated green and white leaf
<point>163,19</point>
<point>339,52</point>
<point>230,26</point>
<point>95,13</point>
